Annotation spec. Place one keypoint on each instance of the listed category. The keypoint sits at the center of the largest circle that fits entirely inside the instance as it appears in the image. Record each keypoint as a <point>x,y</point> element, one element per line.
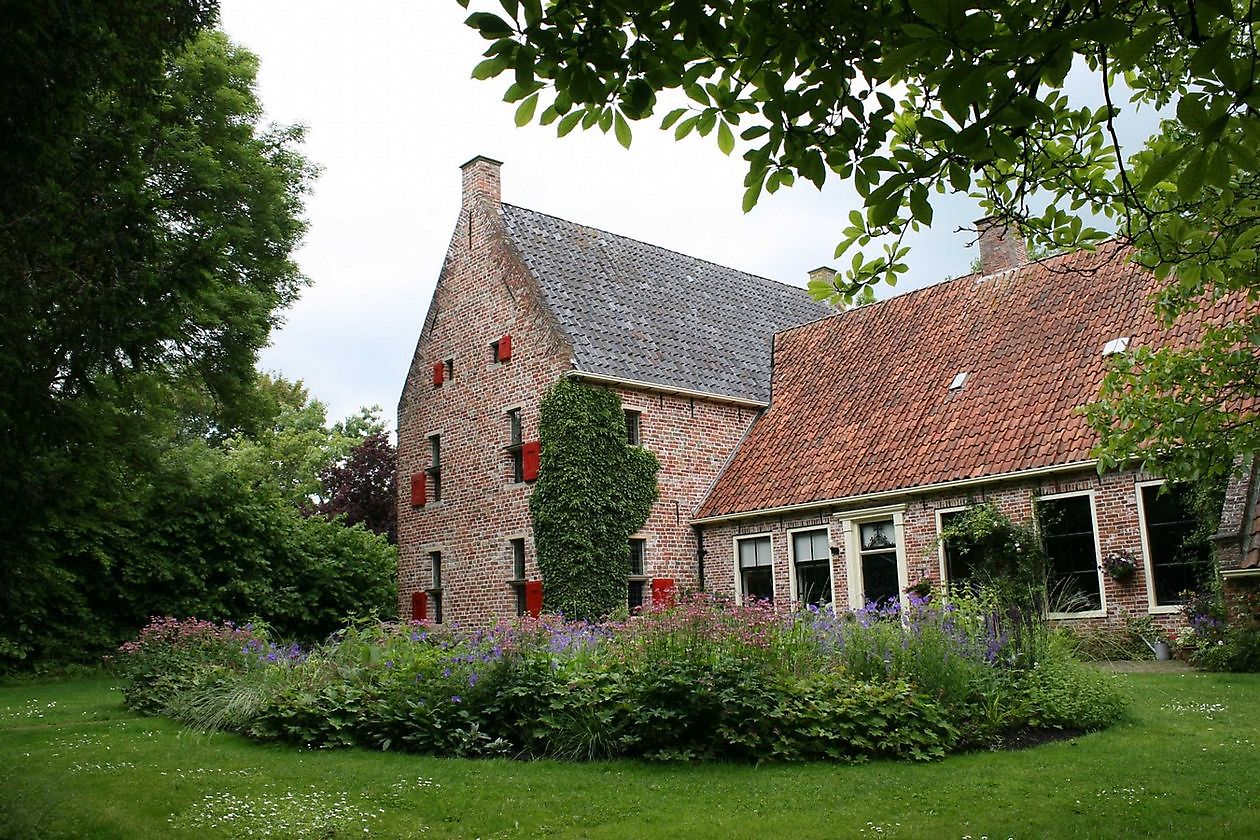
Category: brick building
<point>522,300</point>
<point>886,420</point>
<point>890,418</point>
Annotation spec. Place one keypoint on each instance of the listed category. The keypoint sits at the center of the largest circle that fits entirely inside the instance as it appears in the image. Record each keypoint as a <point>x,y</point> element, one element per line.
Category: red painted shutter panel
<point>663,592</point>
<point>419,489</point>
<point>533,597</point>
<point>419,606</point>
<point>439,373</point>
<point>530,456</point>
<point>505,348</point>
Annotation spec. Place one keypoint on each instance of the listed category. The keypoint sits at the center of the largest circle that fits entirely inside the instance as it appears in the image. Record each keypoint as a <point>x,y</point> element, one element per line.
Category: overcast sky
<point>384,89</point>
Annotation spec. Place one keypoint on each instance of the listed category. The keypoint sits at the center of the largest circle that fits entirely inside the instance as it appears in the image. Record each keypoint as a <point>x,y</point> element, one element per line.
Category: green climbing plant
<point>594,490</point>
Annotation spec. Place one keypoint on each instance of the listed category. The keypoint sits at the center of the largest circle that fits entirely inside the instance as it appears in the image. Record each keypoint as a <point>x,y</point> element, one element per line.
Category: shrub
<point>701,680</point>
<point>1061,693</point>
<point>170,657</point>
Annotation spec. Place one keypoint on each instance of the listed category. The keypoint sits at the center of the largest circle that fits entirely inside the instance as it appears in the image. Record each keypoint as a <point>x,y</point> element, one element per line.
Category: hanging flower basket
<point>1120,566</point>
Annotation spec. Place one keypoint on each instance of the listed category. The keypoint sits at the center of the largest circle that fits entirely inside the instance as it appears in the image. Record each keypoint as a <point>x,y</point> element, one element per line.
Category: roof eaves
<point>882,495</point>
<point>603,379</point>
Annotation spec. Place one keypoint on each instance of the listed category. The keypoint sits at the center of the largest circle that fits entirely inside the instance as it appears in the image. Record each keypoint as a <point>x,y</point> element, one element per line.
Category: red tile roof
<point>861,401</point>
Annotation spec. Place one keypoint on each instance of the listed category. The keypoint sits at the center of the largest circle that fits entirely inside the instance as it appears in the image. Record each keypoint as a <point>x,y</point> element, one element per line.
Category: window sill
<point>1164,609</point>
<point>1072,615</point>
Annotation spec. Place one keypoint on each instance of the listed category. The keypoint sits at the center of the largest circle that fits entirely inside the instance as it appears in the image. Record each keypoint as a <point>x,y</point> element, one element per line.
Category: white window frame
<point>791,541</point>
<point>645,578</point>
<point>940,544</point>
<point>739,578</point>
<point>853,523</point>
<point>1148,573</point>
<point>1102,584</point>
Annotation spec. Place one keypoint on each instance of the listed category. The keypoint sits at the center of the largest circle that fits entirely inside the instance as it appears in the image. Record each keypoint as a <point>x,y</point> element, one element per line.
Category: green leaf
<point>489,68</point>
<point>622,130</point>
<point>726,140</point>
<point>672,117</point>
<point>568,123</point>
<point>491,26</point>
<point>525,111</point>
<point>1190,181</point>
<point>1161,167</point>
<point>931,128</point>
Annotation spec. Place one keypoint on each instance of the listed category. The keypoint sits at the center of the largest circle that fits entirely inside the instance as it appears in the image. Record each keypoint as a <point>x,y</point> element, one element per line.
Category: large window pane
<point>878,554</point>
<point>811,552</point>
<point>1067,532</point>
<point>1179,563</point>
<point>755,574</point>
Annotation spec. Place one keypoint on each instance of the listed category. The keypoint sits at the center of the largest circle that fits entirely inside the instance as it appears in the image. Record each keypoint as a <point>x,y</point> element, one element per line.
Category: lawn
<point>75,763</point>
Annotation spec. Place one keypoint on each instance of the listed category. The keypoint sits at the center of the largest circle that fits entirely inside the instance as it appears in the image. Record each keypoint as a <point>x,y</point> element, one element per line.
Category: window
<point>435,591</point>
<point>637,581</point>
<point>1177,562</point>
<point>958,568</point>
<point>632,428</point>
<point>501,349</point>
<point>756,575</point>
<point>435,467</point>
<point>449,364</point>
<point>518,574</point>
<point>811,561</point>
<point>515,444</point>
<point>1067,533</point>
<point>878,565</point>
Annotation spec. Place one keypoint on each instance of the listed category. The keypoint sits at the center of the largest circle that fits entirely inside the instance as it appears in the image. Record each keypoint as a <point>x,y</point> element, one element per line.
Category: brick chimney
<point>1000,247</point>
<point>481,180</point>
<point>823,273</point>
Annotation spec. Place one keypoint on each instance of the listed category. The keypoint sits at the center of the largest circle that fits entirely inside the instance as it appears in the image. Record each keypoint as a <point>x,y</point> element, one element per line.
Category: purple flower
<point>455,698</point>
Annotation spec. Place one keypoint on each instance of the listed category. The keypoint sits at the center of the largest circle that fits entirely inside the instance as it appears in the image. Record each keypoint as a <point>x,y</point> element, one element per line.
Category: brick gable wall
<point>483,293</point>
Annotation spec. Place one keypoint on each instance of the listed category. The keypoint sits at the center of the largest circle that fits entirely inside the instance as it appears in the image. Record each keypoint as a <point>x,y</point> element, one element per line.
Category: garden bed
<point>702,680</point>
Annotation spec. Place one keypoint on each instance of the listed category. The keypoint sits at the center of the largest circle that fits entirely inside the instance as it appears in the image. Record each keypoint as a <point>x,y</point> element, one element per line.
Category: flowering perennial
<point>700,679</point>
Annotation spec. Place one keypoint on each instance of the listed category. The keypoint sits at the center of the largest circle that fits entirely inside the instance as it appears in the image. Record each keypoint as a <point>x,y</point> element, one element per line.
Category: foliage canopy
<point>909,99</point>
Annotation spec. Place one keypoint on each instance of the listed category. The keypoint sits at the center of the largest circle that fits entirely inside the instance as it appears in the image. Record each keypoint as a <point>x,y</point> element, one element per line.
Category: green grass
<point>75,763</point>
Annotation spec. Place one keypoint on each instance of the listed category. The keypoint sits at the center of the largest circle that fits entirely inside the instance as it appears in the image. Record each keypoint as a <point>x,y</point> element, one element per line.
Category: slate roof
<point>643,313</point>
<point>862,403</point>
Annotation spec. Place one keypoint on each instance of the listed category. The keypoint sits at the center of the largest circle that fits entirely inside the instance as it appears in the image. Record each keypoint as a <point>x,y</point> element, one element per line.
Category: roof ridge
<point>975,276</point>
<point>660,248</point>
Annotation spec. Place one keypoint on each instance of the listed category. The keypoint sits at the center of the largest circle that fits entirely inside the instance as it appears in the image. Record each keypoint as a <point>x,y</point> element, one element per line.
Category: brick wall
<point>1117,528</point>
<point>484,292</point>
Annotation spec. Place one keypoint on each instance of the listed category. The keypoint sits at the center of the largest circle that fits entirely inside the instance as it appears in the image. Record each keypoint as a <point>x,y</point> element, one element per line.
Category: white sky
<point>384,89</point>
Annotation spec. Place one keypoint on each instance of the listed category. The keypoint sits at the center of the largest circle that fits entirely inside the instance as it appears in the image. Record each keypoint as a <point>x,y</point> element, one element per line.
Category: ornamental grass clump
<point>703,679</point>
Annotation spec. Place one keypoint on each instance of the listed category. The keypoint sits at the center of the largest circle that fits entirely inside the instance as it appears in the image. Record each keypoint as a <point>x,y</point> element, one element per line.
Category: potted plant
<point>1120,566</point>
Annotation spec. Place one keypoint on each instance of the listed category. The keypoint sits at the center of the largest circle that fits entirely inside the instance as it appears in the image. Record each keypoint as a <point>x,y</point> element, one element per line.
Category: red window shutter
<point>505,348</point>
<point>530,453</point>
<point>419,489</point>
<point>419,606</point>
<point>533,597</point>
<point>439,373</point>
<point>663,592</point>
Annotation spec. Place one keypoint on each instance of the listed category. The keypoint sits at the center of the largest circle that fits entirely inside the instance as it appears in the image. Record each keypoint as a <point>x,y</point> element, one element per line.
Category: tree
<point>360,487</point>
<point>293,442</point>
<point>147,224</point>
<point>594,490</point>
<point>908,99</point>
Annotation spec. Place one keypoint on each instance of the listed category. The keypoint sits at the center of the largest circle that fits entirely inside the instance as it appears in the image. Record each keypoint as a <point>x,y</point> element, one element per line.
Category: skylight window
<point>1116,345</point>
<point>960,379</point>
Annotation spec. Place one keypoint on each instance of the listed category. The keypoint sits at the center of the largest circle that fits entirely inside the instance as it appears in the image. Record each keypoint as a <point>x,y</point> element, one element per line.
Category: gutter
<point>884,495</point>
<point>664,389</point>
